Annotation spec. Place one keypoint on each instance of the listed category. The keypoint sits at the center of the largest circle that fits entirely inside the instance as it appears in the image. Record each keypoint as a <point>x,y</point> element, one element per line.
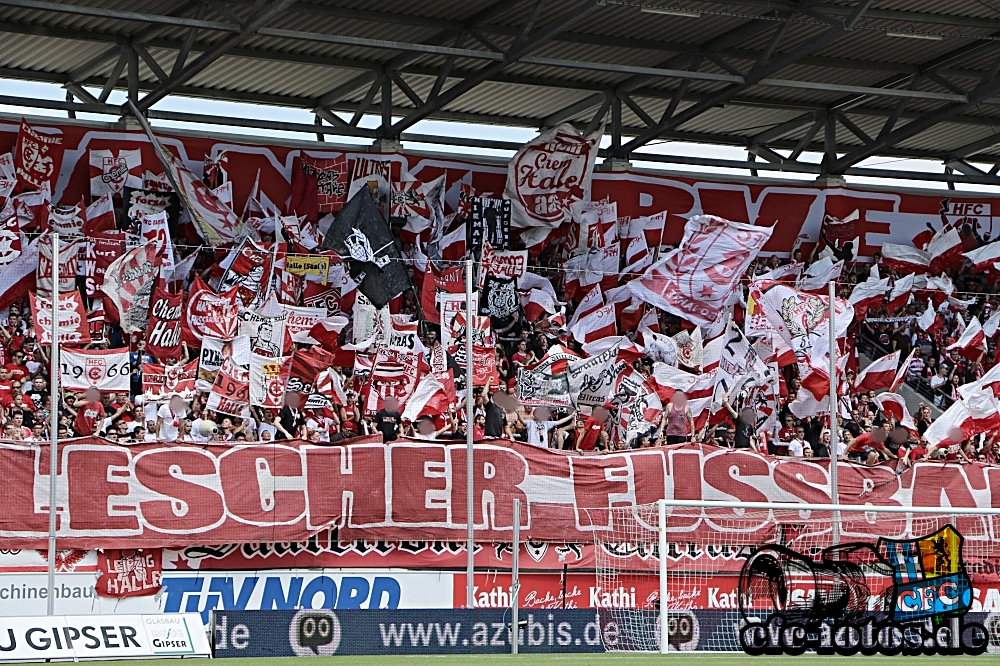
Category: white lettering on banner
<point>301,489</point>
<point>104,637</point>
<point>107,370</point>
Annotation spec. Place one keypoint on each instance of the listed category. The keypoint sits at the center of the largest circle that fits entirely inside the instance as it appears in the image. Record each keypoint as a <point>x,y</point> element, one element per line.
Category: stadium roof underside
<point>849,80</point>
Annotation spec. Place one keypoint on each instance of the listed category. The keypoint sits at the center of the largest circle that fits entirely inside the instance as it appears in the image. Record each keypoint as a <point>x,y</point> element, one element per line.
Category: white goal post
<point>716,567</point>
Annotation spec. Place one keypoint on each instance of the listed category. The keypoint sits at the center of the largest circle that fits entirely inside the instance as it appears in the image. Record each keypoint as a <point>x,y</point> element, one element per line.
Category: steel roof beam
<point>404,59</point>
<point>100,12</point>
<point>261,15</point>
<point>758,73</point>
<point>513,54</point>
<point>989,87</point>
<point>974,147</point>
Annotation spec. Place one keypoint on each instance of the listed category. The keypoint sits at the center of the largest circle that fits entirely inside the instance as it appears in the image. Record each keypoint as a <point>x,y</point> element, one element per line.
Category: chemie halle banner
<point>128,496</point>
<point>890,215</point>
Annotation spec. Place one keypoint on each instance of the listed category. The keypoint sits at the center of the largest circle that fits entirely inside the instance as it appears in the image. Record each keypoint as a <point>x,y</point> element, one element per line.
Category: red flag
<point>448,281</point>
<point>163,334</point>
<point>37,158</point>
<point>208,313</point>
<point>73,327</point>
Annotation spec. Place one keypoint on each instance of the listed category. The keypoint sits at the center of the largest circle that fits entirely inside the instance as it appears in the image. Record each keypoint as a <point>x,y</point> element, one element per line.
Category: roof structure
<point>849,79</point>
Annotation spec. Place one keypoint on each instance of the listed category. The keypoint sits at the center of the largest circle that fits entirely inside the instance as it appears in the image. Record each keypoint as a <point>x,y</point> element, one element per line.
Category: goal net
<point>835,575</point>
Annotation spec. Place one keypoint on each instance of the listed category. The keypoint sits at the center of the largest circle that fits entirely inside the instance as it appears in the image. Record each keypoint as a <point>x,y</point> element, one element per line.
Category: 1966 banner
<point>158,495</point>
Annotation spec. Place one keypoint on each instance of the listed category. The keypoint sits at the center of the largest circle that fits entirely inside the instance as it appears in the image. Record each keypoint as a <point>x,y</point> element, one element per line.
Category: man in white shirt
<point>539,426</point>
<point>168,419</point>
<point>797,443</point>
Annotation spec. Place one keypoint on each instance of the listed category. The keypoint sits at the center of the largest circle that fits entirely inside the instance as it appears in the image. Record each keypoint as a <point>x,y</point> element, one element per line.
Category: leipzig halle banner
<point>127,496</point>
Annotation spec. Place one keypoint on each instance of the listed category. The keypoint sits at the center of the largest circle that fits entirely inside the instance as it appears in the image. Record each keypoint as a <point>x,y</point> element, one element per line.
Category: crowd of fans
<point>867,435</point>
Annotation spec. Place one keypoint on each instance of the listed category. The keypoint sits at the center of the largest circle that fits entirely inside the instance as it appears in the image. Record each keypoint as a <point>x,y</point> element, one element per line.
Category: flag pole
<point>470,405</point>
<point>834,493</point>
<point>54,417</point>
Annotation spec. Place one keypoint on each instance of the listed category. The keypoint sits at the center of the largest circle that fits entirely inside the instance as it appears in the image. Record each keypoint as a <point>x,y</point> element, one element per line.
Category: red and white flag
<point>453,245</point>
<point>904,258</point>
<point>592,302</point>
<point>209,314</point>
<point>820,274</point>
<point>972,344</point>
<point>73,326</point>
<point>984,258</point>
<point>214,221</point>
<point>903,370</point>
<point>900,294</point>
<point>537,304</point>
<point>992,325</point>
<point>129,283</point>
<point>113,171</point>
<point>549,174</point>
<point>696,280</point>
<point>600,323</point>
<point>37,158</point>
<point>894,405</point>
<point>17,278</point>
<point>944,250</point>
<point>163,334</point>
<point>100,216</point>
<point>929,320</point>
<point>990,382</point>
<point>972,415</point>
<point>430,398</point>
<point>802,320</point>
<point>880,374</point>
<point>330,387</point>
<point>867,295</point>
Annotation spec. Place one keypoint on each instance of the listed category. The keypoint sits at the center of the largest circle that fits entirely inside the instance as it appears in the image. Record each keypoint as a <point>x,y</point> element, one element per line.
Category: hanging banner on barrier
<point>303,489</point>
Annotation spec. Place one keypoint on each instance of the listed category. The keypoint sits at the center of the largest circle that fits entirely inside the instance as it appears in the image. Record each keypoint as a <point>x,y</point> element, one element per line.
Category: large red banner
<point>795,209</point>
<point>173,495</point>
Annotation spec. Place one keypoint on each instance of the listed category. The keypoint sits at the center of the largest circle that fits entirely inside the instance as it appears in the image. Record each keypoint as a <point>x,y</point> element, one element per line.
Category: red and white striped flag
<point>598,324</point>
<point>17,278</point>
<point>903,369</point>
<point>972,415</point>
<point>867,295</point>
<point>538,303</point>
<point>972,344</point>
<point>990,383</point>
<point>820,274</point>
<point>429,398</point>
<point>593,301</point>
<point>879,374</point>
<point>929,321</point>
<point>900,294</point>
<point>894,405</point>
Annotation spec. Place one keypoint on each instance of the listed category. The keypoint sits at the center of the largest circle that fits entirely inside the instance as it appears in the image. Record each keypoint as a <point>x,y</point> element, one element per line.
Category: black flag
<point>360,234</point>
<point>490,220</point>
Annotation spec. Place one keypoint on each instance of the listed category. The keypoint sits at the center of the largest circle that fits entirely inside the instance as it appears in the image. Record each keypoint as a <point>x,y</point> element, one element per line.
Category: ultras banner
<point>795,209</point>
<point>129,497</point>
